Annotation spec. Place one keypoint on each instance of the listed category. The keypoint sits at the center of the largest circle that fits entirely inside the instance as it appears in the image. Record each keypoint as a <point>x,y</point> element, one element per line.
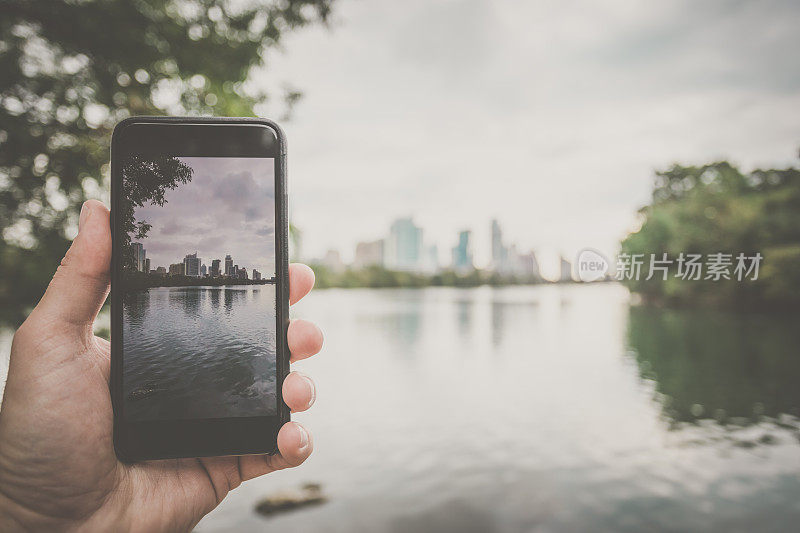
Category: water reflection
<point>399,316</point>
<point>498,312</point>
<point>135,305</point>
<point>187,300</point>
<point>232,296</point>
<point>185,359</point>
<point>405,327</point>
<point>464,311</point>
<point>517,409</point>
<point>214,298</point>
<point>735,368</point>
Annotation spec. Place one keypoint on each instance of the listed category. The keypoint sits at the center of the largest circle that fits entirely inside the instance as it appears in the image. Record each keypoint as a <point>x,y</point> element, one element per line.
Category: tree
<point>71,70</point>
<point>146,180</point>
<point>716,208</point>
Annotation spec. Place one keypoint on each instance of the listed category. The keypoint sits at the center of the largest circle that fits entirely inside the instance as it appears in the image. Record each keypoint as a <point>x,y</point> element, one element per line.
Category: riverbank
<point>135,281</point>
<point>376,277</point>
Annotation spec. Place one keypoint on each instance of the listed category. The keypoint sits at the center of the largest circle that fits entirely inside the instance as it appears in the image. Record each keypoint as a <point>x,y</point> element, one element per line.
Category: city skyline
<point>226,209</point>
<point>405,248</point>
<point>193,265</point>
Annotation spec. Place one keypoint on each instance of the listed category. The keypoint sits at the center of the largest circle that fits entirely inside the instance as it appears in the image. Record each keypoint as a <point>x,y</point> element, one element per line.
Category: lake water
<point>553,408</point>
<point>199,352</point>
<point>556,408</point>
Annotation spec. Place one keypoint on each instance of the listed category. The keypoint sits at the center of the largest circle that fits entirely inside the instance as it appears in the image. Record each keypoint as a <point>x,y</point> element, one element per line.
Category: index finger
<point>301,280</point>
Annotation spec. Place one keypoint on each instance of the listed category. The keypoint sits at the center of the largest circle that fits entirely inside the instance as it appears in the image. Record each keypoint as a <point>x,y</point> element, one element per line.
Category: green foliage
<point>71,70</point>
<point>136,281</point>
<point>717,208</point>
<point>377,277</point>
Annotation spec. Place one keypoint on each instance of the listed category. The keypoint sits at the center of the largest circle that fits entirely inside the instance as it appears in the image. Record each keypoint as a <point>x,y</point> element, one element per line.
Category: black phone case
<point>282,285</point>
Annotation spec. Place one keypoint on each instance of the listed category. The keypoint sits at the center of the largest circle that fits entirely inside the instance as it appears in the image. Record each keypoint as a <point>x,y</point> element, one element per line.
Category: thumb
<point>80,285</point>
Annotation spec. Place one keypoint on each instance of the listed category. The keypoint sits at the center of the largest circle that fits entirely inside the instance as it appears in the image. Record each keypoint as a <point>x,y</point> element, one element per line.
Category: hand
<point>58,469</point>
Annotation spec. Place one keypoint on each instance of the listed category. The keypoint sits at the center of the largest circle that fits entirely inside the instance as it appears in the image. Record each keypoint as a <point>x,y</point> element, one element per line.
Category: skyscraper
<point>256,275</point>
<point>146,266</point>
<point>138,256</point>
<point>369,254</point>
<point>203,270</point>
<point>229,266</point>
<point>192,265</point>
<point>404,246</point>
<point>215,268</point>
<point>430,259</point>
<point>499,250</point>
<point>462,252</point>
<point>530,266</point>
<point>333,261</point>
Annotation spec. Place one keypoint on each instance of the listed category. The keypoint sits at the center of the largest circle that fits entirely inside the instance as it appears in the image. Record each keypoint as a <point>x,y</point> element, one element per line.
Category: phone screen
<point>199,326</point>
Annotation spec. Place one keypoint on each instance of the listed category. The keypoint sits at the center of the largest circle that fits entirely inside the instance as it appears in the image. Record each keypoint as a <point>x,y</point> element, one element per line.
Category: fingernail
<point>311,386</point>
<point>303,437</point>
<point>83,217</point>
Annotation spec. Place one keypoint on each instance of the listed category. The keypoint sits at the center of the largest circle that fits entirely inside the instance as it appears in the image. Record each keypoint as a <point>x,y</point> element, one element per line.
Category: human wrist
<point>17,514</point>
<point>16,517</point>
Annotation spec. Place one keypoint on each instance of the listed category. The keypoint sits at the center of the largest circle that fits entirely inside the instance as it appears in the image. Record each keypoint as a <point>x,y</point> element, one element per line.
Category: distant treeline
<point>717,208</point>
<point>379,277</point>
<point>139,281</point>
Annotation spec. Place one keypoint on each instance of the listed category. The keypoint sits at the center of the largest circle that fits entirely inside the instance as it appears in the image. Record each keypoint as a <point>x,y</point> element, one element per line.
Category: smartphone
<point>199,286</point>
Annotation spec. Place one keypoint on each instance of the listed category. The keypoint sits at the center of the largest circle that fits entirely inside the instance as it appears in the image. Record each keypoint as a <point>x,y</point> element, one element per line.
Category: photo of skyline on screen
<point>199,317</point>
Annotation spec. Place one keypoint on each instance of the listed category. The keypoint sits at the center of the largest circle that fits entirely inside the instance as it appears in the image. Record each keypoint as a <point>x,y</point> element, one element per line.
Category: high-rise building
<point>462,252</point>
<point>177,269</point>
<point>404,246</point>
<point>138,255</point>
<point>146,266</point>
<point>192,265</point>
<point>256,275</point>
<point>333,261</point>
<point>430,259</point>
<point>229,266</point>
<point>215,268</point>
<point>203,270</point>
<point>529,266</point>
<point>369,254</point>
<point>499,250</point>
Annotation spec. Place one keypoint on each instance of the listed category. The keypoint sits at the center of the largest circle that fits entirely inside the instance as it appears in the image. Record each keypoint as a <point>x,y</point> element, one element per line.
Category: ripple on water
<point>202,352</point>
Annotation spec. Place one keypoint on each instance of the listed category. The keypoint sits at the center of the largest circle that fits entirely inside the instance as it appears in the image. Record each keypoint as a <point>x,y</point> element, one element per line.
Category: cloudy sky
<point>549,115</point>
<point>227,208</point>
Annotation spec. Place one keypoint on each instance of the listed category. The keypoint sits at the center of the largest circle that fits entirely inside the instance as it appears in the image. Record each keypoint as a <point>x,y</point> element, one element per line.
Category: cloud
<point>213,242</point>
<point>266,231</point>
<point>239,191</point>
<point>227,208</point>
<point>172,227</point>
<point>550,115</point>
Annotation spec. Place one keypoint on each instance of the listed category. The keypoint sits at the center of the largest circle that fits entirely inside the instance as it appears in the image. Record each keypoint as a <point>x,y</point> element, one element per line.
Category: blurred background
<point>447,162</point>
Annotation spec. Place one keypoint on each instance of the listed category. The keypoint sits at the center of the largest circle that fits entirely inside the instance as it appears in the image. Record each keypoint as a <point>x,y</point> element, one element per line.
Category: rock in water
<point>308,494</point>
<point>144,392</point>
